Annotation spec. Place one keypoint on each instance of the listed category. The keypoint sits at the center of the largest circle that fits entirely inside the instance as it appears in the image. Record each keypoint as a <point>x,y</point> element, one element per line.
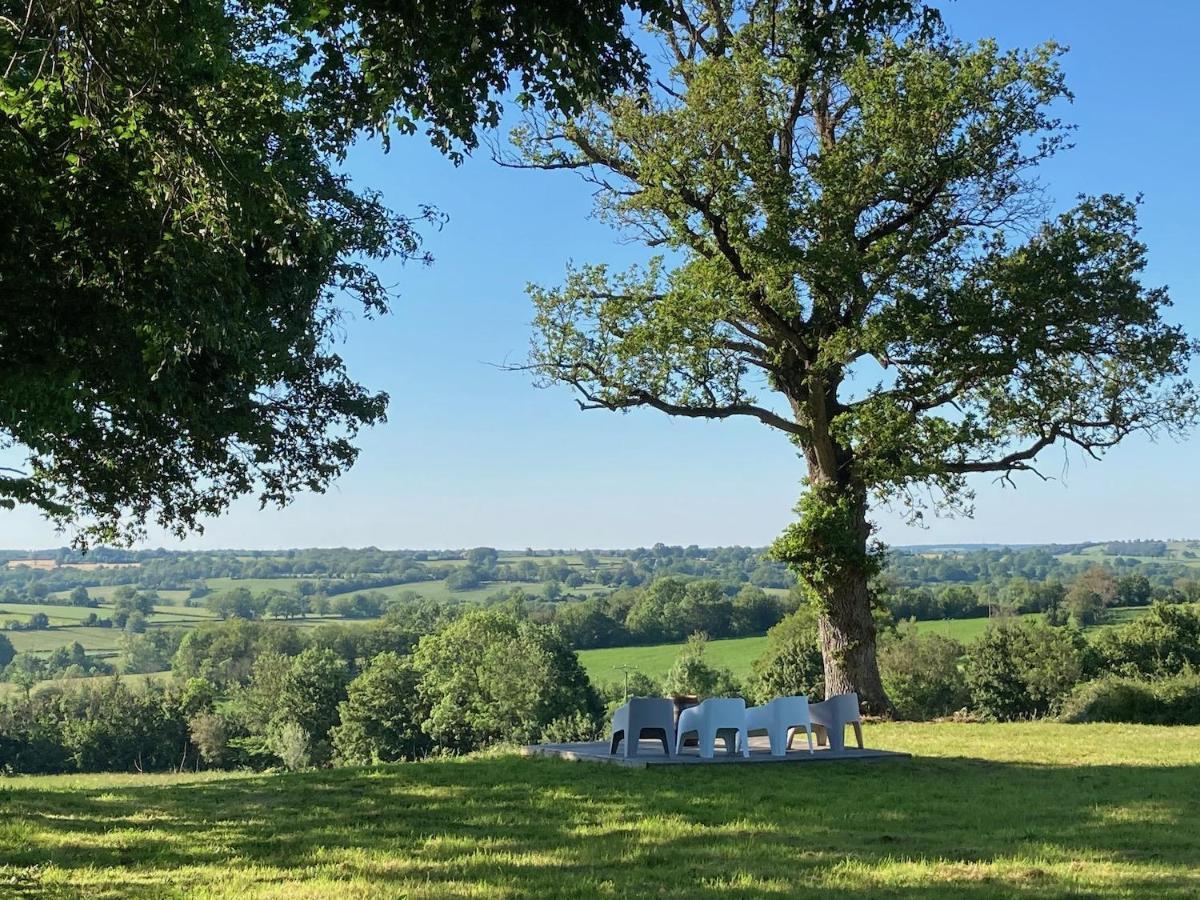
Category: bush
<point>576,726</point>
<point>791,664</point>
<point>691,675</point>
<point>921,674</point>
<point>489,677</point>
<point>1163,642</point>
<point>1166,701</point>
<point>381,716</point>
<point>1023,669</point>
<point>290,742</point>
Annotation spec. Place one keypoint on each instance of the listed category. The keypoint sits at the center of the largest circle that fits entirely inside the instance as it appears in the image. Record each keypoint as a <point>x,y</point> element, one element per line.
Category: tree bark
<point>847,632</point>
<point>845,624</point>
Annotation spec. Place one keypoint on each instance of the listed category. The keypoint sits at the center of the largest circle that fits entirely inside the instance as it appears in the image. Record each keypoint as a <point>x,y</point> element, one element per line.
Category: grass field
<point>738,654</point>
<point>105,592</point>
<point>983,811</point>
<point>65,629</point>
<point>735,654</point>
<point>7,687</point>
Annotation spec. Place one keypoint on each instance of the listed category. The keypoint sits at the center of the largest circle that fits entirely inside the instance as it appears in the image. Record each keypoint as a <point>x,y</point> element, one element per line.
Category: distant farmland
<point>738,654</point>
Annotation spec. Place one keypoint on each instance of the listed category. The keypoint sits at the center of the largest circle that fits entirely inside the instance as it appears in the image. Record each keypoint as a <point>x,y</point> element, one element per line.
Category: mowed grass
<point>982,811</point>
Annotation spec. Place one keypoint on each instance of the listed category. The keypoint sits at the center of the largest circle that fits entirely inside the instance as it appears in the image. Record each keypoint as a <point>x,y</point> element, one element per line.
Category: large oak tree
<point>857,253</point>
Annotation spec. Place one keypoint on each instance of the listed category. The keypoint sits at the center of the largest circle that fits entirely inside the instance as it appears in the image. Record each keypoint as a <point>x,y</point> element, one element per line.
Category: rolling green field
<point>735,654</point>
<point>982,811</point>
<point>65,630</point>
<point>7,687</point>
<point>1175,554</point>
<point>105,592</point>
<point>738,654</point>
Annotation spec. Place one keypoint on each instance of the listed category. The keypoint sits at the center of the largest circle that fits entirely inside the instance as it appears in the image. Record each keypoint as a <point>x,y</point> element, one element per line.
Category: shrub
<point>1166,701</point>
<point>791,664</point>
<point>1023,669</point>
<point>381,715</point>
<point>576,726</point>
<point>921,674</point>
<point>691,675</point>
<point>1163,642</point>
<point>489,677</point>
<point>289,741</point>
<point>209,735</point>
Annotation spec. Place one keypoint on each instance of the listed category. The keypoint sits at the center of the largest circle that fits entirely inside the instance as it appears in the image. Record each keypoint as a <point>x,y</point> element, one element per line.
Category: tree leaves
<point>176,254</point>
<point>849,193</point>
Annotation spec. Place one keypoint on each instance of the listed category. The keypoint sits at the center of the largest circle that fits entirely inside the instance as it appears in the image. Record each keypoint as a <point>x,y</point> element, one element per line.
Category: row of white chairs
<point>728,718</point>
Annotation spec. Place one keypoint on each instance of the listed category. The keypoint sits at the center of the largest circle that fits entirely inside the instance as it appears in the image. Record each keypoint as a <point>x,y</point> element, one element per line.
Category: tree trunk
<point>845,625</point>
<point>847,633</point>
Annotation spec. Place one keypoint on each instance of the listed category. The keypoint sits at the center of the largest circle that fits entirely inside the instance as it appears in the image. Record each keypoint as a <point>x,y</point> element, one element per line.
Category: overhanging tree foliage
<point>402,64</point>
<point>177,245</point>
<point>859,256</point>
<point>172,246</point>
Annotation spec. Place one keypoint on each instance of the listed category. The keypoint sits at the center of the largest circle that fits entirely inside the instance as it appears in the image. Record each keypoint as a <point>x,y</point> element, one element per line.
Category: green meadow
<point>738,654</point>
<point>735,654</point>
<point>66,629</point>
<point>981,811</point>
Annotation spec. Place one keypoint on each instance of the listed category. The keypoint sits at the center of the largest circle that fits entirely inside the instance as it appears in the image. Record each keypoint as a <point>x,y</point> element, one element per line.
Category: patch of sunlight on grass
<point>1147,813</point>
<point>1036,809</point>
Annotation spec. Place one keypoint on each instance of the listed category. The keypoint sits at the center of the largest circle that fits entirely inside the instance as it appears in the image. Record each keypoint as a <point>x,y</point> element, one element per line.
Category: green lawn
<point>983,811</point>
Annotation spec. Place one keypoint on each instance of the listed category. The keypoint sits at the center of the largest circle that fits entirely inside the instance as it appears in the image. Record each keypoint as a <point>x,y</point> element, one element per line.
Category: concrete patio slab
<point>650,754</point>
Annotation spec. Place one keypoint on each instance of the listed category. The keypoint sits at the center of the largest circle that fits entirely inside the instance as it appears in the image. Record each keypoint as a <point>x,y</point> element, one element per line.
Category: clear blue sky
<point>473,455</point>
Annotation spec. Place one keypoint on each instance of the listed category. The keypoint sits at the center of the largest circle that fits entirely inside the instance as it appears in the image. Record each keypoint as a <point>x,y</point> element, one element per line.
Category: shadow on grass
<point>519,827</point>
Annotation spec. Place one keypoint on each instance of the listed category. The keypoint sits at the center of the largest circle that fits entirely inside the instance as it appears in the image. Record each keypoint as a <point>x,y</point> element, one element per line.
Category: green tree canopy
<point>175,248</point>
<point>7,652</point>
<point>178,245</point>
<point>489,677</point>
<point>380,720</point>
<point>857,253</point>
<point>390,65</point>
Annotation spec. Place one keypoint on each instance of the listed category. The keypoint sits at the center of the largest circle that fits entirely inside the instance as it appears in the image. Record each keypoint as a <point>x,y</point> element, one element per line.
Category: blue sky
<point>474,455</point>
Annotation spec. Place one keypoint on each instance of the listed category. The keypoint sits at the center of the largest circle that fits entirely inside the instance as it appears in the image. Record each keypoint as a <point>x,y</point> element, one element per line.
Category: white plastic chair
<point>640,715</point>
<point>830,718</point>
<point>715,715</point>
<point>781,719</point>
